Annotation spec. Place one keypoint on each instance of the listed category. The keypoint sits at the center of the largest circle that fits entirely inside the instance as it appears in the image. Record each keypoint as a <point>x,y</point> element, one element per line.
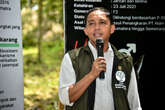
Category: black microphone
<point>100,53</point>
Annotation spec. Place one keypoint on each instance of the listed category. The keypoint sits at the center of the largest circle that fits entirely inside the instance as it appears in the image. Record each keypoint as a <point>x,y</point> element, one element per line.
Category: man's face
<point>98,26</point>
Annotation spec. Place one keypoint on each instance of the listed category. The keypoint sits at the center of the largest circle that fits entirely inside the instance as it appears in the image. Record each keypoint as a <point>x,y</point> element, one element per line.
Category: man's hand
<point>98,65</point>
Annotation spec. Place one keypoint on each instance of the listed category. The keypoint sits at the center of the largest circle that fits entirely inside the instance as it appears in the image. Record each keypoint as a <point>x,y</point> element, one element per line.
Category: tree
<point>40,29</point>
<point>48,12</point>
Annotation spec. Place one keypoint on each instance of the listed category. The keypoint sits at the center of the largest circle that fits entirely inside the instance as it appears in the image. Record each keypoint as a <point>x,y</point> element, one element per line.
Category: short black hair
<point>107,12</point>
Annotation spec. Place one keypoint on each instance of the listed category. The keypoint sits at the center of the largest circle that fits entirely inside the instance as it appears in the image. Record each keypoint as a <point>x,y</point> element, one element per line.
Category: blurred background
<point>43,50</point>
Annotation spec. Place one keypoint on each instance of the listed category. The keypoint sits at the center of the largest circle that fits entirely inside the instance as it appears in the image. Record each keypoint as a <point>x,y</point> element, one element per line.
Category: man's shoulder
<point>78,51</point>
<point>127,57</point>
<point>74,52</point>
<point>122,55</point>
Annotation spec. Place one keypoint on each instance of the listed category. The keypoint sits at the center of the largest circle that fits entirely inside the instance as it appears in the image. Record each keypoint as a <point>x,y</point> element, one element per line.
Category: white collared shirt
<point>103,95</point>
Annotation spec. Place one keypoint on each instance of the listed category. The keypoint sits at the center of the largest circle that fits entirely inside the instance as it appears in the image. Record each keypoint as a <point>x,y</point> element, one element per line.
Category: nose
<point>97,26</point>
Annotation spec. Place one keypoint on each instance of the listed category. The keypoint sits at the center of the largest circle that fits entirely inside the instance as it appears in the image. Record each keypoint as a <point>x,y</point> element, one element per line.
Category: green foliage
<point>53,10</point>
<point>23,3</point>
<point>41,80</point>
<point>52,15</point>
<point>29,41</point>
<point>28,3</point>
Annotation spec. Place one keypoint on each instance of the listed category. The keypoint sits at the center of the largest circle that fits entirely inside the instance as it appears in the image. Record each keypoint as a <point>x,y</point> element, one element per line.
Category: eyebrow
<point>90,20</point>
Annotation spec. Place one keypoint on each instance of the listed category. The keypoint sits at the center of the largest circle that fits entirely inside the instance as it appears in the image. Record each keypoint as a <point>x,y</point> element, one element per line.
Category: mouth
<point>97,35</point>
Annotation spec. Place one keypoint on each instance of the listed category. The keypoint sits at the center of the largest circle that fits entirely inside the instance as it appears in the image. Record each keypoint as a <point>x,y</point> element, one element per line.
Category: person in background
<point>80,87</point>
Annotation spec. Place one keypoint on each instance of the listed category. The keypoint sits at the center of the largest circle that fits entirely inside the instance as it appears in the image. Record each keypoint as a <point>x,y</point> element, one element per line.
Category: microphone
<point>100,53</point>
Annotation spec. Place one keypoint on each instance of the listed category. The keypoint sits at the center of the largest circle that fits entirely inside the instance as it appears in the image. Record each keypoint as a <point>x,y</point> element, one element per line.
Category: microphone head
<point>99,41</point>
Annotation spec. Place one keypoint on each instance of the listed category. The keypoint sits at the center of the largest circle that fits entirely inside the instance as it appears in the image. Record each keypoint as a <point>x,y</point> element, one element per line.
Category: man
<point>79,85</point>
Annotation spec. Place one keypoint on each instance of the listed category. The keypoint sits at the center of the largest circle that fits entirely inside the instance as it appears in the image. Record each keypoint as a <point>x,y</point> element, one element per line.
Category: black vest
<point>82,60</point>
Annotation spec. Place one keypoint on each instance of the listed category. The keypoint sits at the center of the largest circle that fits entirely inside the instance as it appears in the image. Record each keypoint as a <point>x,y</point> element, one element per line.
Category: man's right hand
<point>98,65</point>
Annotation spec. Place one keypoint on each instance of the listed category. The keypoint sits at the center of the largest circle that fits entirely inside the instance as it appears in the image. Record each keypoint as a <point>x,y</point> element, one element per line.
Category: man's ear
<point>112,28</point>
<point>85,31</point>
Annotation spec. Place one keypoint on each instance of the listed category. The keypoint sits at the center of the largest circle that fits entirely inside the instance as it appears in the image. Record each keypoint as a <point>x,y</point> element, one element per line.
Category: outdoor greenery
<point>43,50</point>
<point>41,80</point>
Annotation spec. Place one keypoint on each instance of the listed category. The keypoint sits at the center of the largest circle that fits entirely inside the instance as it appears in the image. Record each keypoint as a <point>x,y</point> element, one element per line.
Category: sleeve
<point>66,78</point>
<point>133,95</point>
